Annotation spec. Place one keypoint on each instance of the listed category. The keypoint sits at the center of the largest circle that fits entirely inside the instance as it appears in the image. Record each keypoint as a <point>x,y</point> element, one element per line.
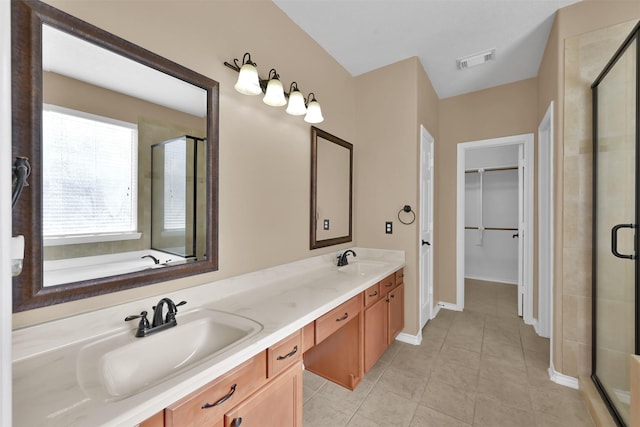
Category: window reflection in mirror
<point>331,189</point>
<point>100,104</point>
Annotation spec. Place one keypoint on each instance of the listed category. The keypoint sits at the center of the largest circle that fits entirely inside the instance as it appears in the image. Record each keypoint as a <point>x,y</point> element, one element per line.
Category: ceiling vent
<point>476,59</point>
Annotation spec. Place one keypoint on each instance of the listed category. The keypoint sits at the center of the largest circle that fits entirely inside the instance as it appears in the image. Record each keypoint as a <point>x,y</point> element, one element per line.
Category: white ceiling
<point>363,35</point>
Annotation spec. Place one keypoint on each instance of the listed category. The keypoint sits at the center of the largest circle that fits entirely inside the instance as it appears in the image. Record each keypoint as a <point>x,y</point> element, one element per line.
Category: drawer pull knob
<point>343,317</point>
<point>236,422</point>
<point>222,400</point>
<point>375,294</point>
<point>288,355</point>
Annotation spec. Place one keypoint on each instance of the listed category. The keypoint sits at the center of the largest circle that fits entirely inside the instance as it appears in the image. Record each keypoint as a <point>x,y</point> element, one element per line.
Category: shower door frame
<point>633,36</point>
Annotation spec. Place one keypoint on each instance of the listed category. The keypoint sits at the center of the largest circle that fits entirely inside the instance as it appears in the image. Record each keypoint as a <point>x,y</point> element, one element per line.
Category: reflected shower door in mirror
<point>331,189</point>
<point>88,108</point>
<point>177,197</point>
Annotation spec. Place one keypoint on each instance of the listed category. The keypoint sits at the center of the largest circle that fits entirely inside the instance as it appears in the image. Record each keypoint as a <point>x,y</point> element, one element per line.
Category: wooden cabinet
<point>265,391</point>
<point>155,421</point>
<point>383,317</point>
<point>338,353</point>
<point>396,312</point>
<point>375,332</point>
<point>278,404</point>
<point>207,406</point>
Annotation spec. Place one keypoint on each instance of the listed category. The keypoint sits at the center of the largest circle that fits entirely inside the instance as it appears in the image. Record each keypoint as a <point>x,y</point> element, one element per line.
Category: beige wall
<point>392,103</point>
<point>572,258</point>
<point>264,152</point>
<point>501,111</point>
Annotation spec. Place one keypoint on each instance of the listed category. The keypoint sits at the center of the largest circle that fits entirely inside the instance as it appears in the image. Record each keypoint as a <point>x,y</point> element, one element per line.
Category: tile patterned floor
<point>482,367</point>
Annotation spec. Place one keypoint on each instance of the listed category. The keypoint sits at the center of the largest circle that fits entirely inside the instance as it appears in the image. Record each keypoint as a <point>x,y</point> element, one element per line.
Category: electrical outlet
<point>326,224</point>
<point>388,227</point>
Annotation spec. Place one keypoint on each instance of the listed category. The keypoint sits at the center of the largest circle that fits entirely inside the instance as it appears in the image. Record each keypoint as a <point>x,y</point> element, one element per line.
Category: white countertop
<point>283,299</point>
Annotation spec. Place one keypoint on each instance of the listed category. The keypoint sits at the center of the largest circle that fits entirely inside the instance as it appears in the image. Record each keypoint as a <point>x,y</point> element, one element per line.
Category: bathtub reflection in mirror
<point>104,103</point>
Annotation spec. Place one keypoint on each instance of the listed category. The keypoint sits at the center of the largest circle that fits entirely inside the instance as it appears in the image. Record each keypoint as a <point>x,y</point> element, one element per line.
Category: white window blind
<point>175,184</point>
<point>90,174</point>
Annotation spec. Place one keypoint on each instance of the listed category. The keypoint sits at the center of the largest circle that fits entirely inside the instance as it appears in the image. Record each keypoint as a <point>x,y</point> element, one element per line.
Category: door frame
<point>6,308</point>
<point>545,225</point>
<point>426,139</point>
<point>527,141</point>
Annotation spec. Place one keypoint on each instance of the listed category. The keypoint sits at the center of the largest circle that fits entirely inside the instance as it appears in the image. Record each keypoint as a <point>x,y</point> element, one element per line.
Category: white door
<point>521,235</point>
<point>426,226</point>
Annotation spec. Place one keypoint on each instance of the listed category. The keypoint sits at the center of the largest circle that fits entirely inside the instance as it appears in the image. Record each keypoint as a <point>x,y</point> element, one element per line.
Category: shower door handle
<point>614,240</point>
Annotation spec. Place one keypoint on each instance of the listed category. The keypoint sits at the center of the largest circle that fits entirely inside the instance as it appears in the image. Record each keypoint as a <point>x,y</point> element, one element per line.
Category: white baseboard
<point>410,339</point>
<point>448,306</point>
<point>563,379</point>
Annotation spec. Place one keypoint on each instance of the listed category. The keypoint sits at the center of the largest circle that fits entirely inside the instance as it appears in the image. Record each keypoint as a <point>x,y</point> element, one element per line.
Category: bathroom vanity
<point>308,312</point>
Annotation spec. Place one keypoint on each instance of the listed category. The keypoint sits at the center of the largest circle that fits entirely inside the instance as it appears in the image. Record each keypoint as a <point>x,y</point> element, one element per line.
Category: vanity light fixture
<point>274,95</point>
<point>250,83</point>
<point>297,105</point>
<point>314,113</point>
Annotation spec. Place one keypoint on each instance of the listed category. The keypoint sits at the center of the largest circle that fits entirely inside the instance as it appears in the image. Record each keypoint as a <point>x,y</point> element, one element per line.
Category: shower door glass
<point>614,229</point>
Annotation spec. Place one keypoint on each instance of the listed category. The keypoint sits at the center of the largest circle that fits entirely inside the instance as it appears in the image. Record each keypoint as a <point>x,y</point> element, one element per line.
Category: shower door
<point>615,238</point>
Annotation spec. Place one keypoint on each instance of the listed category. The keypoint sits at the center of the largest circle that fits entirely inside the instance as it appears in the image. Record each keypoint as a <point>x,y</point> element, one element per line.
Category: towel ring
<point>407,209</point>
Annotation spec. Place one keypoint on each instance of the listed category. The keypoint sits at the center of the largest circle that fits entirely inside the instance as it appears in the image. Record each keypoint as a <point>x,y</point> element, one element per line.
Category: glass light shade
<point>275,94</point>
<point>296,105</point>
<point>248,82</point>
<point>314,113</point>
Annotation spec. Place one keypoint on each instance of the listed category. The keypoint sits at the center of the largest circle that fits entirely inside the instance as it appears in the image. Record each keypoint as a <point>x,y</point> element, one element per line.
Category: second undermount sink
<point>362,267</point>
<point>121,365</point>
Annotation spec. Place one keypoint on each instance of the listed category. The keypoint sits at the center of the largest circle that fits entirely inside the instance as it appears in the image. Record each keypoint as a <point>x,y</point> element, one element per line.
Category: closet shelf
<point>492,228</point>
<point>505,168</point>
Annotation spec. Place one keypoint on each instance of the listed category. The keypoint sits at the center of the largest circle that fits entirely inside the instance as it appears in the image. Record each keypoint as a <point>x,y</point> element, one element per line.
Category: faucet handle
<point>142,316</point>
<point>143,326</point>
<point>171,314</point>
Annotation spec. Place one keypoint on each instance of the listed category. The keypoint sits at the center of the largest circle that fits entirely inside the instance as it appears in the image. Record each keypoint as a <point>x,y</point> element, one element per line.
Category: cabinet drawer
<point>388,283</point>
<point>208,405</point>
<point>336,318</point>
<point>400,276</point>
<point>284,354</point>
<point>371,295</point>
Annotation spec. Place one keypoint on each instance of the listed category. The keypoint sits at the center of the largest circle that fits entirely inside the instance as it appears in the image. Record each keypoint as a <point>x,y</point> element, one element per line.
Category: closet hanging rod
<point>505,168</point>
<point>492,228</point>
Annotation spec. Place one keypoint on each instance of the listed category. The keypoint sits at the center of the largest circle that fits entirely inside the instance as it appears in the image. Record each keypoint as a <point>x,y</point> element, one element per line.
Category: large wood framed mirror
<point>88,107</point>
<point>331,189</point>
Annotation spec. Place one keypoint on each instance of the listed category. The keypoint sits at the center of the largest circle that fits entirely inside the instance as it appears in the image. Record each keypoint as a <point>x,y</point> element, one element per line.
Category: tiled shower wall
<point>585,57</point>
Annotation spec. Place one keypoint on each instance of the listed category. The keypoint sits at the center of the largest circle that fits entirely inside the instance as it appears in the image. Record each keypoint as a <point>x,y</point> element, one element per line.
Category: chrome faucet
<point>159,322</point>
<point>342,258</point>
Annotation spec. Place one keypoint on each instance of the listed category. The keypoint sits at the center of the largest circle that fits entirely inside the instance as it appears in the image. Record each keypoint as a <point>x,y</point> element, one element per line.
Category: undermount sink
<point>362,268</point>
<point>121,365</point>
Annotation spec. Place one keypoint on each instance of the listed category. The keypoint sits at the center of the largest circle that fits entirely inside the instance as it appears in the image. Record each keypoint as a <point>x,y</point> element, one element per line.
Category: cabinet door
<point>155,421</point>
<point>396,312</point>
<point>375,333</point>
<point>278,404</point>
